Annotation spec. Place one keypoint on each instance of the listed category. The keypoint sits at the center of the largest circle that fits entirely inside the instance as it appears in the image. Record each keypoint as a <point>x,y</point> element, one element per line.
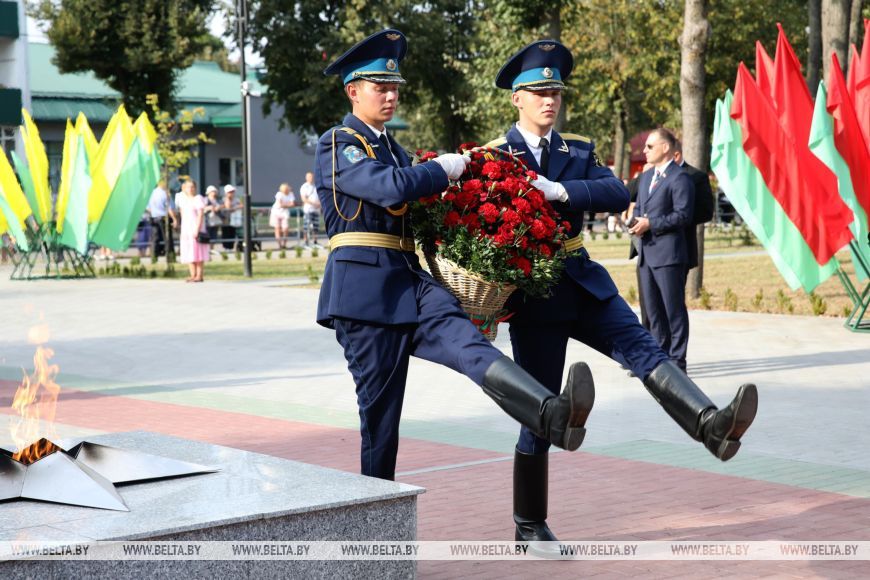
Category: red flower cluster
<point>495,223</point>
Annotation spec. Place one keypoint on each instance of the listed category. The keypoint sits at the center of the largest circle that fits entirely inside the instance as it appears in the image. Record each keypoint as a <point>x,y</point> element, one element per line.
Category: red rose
<point>474,186</point>
<point>521,205</point>
<point>488,212</point>
<point>504,236</point>
<point>471,222</point>
<point>451,219</point>
<point>522,264</point>
<point>511,218</point>
<point>538,230</point>
<point>492,169</point>
<point>536,198</point>
<point>546,250</point>
<point>426,155</point>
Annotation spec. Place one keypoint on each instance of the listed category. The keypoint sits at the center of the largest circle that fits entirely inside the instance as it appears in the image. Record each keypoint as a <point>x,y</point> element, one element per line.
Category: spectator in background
<point>160,207</point>
<point>143,234</point>
<point>664,209</point>
<point>213,219</point>
<point>632,250</point>
<point>310,209</point>
<point>233,217</point>
<point>279,217</point>
<point>192,208</point>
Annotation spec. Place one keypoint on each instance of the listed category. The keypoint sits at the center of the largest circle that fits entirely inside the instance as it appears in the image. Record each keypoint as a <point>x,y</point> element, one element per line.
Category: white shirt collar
<point>378,137</point>
<point>376,132</point>
<point>533,142</point>
<point>661,170</point>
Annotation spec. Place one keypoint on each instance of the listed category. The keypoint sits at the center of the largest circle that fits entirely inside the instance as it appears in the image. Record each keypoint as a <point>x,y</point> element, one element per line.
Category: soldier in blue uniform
<point>585,304</point>
<point>381,304</point>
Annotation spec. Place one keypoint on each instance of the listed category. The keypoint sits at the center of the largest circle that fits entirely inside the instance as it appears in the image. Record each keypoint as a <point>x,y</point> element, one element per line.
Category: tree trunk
<point>855,24</point>
<point>619,136</point>
<point>835,31</point>
<point>693,54</point>
<point>554,31</point>
<point>814,59</point>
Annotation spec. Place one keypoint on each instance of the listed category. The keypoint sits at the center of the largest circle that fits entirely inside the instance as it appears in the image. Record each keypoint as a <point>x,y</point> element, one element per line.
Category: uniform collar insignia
<point>563,147</point>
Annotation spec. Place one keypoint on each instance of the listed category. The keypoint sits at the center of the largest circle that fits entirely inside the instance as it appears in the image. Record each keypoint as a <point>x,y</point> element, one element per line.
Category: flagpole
<point>242,20</point>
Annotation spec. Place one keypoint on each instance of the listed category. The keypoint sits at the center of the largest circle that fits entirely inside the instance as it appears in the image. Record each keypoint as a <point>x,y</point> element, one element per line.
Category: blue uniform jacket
<point>590,187</point>
<point>363,283</point>
<point>669,207</point>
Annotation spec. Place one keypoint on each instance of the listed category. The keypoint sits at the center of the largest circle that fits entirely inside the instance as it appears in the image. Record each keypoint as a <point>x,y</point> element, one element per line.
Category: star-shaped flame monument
<point>85,474</point>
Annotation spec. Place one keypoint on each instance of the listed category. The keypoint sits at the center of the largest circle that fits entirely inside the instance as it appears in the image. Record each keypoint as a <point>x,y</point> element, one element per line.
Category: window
<point>231,170</point>
<point>54,152</point>
<point>7,139</point>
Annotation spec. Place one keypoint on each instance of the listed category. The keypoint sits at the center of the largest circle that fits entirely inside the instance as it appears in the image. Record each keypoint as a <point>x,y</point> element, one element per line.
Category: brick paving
<point>593,498</point>
<point>243,365</point>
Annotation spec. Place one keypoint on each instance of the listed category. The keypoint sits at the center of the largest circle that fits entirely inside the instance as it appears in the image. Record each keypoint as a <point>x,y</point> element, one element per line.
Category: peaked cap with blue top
<point>374,59</point>
<point>540,66</point>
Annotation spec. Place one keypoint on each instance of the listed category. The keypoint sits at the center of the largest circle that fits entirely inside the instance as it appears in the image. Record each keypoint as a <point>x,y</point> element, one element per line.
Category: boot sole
<point>581,395</point>
<point>747,407</point>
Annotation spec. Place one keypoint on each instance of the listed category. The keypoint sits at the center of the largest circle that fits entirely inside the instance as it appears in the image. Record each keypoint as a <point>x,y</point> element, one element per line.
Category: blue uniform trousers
<point>664,297</point>
<point>377,357</point>
<point>609,326</point>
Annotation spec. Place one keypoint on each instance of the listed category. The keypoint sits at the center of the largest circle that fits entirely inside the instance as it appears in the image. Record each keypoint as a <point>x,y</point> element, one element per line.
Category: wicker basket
<point>483,301</point>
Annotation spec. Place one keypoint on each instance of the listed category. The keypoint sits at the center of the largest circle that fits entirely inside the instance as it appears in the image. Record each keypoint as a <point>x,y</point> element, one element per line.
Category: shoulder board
<point>575,137</point>
<point>496,142</point>
<point>368,148</point>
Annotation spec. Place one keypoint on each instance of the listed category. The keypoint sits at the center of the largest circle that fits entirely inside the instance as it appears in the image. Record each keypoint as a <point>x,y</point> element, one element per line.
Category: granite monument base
<point>252,498</point>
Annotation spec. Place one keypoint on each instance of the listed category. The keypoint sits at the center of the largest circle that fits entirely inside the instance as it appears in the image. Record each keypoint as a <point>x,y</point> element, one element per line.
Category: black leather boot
<point>530,503</point>
<point>719,429</point>
<point>558,419</point>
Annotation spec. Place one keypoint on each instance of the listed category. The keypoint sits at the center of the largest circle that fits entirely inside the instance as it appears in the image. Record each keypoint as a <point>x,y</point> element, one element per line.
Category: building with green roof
<point>278,155</point>
<point>14,91</point>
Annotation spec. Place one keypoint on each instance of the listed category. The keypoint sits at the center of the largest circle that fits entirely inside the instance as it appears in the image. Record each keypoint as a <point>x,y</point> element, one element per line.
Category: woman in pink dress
<point>193,253</point>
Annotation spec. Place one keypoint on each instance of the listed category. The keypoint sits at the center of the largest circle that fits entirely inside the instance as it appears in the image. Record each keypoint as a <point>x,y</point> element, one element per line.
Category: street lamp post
<point>242,20</point>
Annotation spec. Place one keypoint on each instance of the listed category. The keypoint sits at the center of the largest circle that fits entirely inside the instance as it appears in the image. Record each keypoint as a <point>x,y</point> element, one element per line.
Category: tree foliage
<point>298,39</point>
<point>138,47</point>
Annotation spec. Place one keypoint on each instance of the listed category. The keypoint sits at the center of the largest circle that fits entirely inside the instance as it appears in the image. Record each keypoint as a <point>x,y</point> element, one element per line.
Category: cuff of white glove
<point>563,193</point>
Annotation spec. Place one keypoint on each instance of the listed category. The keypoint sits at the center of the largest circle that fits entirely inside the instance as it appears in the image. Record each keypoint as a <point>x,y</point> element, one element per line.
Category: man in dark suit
<point>703,191</point>
<point>585,304</point>
<point>383,306</point>
<point>665,204</point>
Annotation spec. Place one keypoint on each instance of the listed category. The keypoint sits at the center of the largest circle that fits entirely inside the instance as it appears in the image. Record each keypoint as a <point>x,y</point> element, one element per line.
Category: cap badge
<point>546,47</point>
<point>547,72</point>
<point>391,65</point>
<point>394,36</point>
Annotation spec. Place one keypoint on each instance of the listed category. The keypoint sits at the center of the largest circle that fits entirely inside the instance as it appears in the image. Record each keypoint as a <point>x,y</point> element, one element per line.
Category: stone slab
<point>252,497</point>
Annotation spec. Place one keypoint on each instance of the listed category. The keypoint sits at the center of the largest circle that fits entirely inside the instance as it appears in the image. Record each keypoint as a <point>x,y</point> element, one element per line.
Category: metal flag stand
<point>860,300</point>
<point>48,258</point>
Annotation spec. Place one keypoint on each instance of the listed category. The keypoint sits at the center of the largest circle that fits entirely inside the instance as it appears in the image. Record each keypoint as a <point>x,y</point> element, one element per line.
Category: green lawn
<point>747,283</point>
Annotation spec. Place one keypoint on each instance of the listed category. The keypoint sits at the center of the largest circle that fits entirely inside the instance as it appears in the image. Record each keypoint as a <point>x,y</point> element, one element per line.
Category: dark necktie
<point>655,180</point>
<point>545,155</point>
<point>386,143</point>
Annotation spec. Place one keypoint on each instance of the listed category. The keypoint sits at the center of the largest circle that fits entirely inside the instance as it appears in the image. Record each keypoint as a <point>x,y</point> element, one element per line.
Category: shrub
<point>758,299</point>
<point>818,304</point>
<point>314,252</point>
<point>631,295</point>
<point>298,251</point>
<point>730,300</point>
<point>783,302</point>
<point>706,299</point>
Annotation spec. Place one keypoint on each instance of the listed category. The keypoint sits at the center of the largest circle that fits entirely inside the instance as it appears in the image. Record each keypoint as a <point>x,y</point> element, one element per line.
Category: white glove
<point>452,163</point>
<point>553,191</point>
